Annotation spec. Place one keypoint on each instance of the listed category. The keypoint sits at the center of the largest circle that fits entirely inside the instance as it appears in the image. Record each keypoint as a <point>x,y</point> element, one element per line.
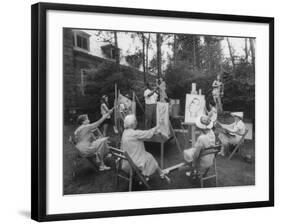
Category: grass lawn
<point>235,172</point>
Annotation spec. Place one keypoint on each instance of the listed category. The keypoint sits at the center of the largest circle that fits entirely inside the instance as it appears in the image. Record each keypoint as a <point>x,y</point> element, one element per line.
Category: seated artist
<point>86,143</point>
<point>232,136</point>
<point>205,140</point>
<point>132,142</point>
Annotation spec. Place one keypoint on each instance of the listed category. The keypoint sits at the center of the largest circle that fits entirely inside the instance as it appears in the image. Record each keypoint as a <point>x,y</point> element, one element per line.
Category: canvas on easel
<point>194,107</point>
<point>162,118</point>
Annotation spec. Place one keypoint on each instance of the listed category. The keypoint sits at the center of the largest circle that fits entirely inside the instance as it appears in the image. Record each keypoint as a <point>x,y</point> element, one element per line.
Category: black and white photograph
<point>141,111</point>
<point>153,111</point>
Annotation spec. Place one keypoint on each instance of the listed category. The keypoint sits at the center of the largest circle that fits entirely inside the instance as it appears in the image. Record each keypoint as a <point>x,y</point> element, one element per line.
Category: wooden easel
<point>191,127</point>
<point>117,114</point>
<point>158,139</point>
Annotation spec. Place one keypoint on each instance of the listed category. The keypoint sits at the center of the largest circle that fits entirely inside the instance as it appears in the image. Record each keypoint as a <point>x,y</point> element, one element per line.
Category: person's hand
<point>111,110</point>
<point>157,129</point>
<point>105,115</point>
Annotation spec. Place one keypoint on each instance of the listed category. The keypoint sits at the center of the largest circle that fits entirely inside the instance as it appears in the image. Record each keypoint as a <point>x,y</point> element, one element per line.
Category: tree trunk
<point>220,57</point>
<point>159,60</point>
<point>143,57</point>
<point>146,56</point>
<point>252,48</point>
<point>117,54</point>
<point>194,51</point>
<point>175,49</point>
<point>231,53</point>
<point>209,62</point>
<point>246,50</point>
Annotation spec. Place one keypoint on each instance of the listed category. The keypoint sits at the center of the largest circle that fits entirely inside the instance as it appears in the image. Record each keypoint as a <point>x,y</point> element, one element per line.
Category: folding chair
<point>120,156</point>
<point>97,134</point>
<point>238,146</point>
<point>204,175</point>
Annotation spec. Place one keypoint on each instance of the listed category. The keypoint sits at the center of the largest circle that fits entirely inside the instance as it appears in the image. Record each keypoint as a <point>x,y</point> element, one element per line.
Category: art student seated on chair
<point>205,140</point>
<point>132,142</point>
<point>86,143</point>
<point>232,136</point>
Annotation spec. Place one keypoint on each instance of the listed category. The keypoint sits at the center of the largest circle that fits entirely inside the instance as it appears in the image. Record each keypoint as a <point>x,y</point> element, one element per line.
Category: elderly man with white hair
<point>233,134</point>
<point>132,142</point>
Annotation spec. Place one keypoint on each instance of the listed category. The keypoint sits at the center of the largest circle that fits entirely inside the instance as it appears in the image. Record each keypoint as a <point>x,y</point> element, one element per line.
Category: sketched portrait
<point>194,107</point>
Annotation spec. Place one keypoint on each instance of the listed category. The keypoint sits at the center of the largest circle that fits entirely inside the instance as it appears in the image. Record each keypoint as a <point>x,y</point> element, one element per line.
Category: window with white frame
<point>81,40</point>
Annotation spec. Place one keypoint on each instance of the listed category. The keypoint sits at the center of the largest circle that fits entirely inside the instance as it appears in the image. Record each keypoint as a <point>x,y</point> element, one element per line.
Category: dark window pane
<point>85,43</point>
<point>79,41</point>
<point>113,53</point>
<point>82,42</point>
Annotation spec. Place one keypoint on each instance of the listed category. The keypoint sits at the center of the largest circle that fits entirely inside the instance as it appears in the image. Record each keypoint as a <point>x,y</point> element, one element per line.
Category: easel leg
<point>193,135</point>
<point>162,156</point>
<point>174,134</point>
<point>131,180</point>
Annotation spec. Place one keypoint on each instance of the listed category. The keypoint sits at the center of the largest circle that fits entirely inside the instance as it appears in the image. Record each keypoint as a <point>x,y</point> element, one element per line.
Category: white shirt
<point>150,99</point>
<point>239,128</point>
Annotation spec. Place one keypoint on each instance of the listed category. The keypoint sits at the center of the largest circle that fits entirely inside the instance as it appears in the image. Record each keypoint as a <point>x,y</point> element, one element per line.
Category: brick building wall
<point>73,62</point>
<point>69,78</point>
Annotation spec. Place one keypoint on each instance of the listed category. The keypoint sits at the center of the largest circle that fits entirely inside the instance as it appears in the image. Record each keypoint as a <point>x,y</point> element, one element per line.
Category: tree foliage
<point>239,86</point>
<point>102,80</point>
<point>135,60</point>
<point>194,58</point>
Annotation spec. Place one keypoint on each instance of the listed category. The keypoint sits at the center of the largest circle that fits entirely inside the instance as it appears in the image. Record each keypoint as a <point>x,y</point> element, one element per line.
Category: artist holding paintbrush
<point>132,142</point>
<point>232,136</point>
<point>150,97</point>
<point>85,142</point>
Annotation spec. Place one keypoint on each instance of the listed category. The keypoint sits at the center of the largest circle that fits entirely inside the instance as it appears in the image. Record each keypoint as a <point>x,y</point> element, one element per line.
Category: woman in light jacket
<point>85,141</point>
<point>132,142</point>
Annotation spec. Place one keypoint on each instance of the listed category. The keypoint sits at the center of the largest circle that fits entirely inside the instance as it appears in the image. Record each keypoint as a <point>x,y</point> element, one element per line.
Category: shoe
<point>195,175</point>
<point>104,167</point>
<point>164,176</point>
<point>221,153</point>
<point>109,155</point>
<point>115,130</point>
<point>165,172</point>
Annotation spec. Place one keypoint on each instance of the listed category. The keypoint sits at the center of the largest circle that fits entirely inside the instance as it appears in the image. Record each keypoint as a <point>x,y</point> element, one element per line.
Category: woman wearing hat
<point>206,139</point>
<point>232,136</point>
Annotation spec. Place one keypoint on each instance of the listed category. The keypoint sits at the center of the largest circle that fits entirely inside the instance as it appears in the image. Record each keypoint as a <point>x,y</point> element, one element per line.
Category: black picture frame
<point>39,122</point>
